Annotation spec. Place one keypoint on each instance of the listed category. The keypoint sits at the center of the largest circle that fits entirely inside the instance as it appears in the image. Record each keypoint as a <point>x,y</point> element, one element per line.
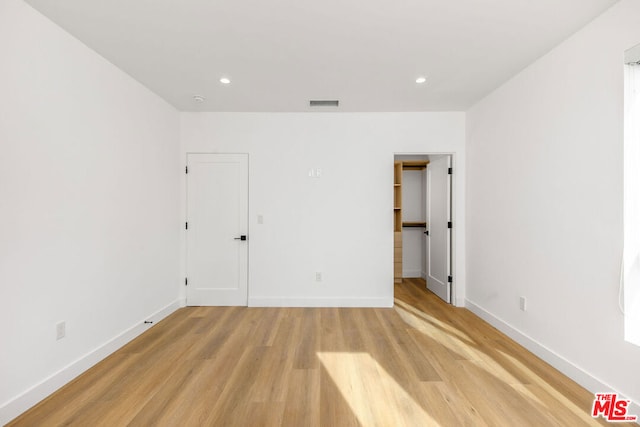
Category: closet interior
<point>409,209</point>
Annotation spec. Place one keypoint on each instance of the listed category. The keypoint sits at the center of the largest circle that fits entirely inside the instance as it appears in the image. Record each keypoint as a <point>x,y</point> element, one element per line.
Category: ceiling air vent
<point>323,103</point>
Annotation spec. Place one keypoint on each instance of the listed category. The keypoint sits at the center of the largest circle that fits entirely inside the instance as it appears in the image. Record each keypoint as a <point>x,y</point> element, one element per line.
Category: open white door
<point>438,218</point>
<point>217,222</point>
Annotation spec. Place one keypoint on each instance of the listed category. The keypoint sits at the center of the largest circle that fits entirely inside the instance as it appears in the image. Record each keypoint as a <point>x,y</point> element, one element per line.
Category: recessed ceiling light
<point>225,80</point>
<point>199,98</point>
<point>421,80</point>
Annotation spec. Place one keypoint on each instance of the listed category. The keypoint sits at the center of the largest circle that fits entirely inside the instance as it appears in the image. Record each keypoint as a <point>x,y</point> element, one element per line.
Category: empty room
<point>298,213</point>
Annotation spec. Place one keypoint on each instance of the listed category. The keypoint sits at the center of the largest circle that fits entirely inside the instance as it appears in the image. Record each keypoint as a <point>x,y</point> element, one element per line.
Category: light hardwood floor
<point>421,363</point>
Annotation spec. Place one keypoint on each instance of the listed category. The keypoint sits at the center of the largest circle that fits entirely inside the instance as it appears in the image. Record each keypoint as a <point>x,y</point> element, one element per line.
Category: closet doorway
<point>423,246</point>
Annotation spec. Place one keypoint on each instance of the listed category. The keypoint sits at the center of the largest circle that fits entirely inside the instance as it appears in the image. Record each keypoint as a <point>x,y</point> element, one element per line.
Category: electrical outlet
<point>61,330</point>
<point>260,219</point>
<point>523,304</point>
<point>318,276</point>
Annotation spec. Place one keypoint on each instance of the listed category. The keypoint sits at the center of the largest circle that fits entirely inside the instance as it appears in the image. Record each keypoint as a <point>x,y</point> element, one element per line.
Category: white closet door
<point>217,218</point>
<point>438,217</point>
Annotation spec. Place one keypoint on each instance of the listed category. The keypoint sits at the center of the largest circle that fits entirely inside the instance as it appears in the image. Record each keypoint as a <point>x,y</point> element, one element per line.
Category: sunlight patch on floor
<point>456,341</point>
<point>373,395</point>
<point>432,328</point>
<point>420,314</point>
<point>455,344</point>
<point>554,394</point>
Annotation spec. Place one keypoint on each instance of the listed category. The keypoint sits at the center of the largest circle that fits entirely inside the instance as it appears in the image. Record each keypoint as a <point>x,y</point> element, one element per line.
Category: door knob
<point>243,237</point>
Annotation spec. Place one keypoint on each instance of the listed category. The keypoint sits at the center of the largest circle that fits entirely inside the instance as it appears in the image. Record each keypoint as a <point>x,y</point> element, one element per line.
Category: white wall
<point>544,206</point>
<point>340,224</point>
<point>89,206</point>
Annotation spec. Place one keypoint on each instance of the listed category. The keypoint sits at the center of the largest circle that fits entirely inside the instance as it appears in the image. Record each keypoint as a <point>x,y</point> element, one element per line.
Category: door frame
<point>455,243</point>
<point>184,212</point>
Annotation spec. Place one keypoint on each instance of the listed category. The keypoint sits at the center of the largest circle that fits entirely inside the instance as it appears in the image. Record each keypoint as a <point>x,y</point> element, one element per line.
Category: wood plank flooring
<point>421,363</point>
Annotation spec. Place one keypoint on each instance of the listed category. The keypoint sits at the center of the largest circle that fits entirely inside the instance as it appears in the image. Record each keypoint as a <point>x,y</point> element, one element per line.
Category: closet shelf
<point>414,224</point>
<point>415,165</point>
<point>397,222</point>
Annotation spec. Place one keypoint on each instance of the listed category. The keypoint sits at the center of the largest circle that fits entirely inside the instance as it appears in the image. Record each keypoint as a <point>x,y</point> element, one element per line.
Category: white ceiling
<point>279,54</point>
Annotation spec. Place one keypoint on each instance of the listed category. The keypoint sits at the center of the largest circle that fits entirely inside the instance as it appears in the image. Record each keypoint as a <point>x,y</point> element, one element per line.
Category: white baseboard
<point>577,374</point>
<point>35,394</point>
<point>321,302</point>
<point>412,273</point>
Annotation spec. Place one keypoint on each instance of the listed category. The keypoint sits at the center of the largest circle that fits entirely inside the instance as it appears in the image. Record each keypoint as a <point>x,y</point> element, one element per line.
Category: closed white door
<point>438,217</point>
<point>217,222</point>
